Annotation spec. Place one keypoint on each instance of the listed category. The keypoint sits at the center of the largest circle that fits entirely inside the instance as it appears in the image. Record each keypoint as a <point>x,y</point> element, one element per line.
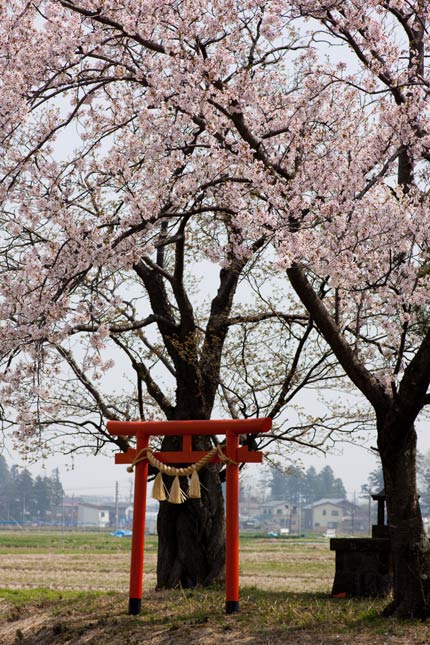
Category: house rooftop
<point>274,503</point>
<point>327,500</point>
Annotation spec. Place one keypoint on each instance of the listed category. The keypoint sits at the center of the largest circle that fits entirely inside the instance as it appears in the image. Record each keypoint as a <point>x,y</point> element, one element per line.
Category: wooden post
<point>232,527</point>
<point>138,537</point>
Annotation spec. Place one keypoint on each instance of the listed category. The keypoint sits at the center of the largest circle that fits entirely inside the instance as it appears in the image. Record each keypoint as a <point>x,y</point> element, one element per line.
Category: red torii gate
<point>234,453</point>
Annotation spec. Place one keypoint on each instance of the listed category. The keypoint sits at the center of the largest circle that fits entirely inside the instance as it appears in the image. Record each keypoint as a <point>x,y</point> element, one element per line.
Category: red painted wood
<point>244,455</point>
<point>232,522</point>
<point>193,427</point>
<point>187,443</point>
<point>126,457</point>
<point>139,512</point>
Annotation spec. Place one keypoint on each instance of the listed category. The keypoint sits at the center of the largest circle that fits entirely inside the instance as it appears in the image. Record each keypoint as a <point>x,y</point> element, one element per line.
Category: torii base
<point>232,606</point>
<point>134,606</point>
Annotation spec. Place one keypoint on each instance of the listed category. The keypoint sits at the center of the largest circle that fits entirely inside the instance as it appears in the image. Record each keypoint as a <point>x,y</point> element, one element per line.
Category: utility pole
<point>353,512</point>
<point>369,530</point>
<point>116,505</point>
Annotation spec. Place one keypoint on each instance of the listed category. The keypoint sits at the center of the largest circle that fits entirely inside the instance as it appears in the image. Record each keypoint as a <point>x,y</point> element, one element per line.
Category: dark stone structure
<point>363,565</point>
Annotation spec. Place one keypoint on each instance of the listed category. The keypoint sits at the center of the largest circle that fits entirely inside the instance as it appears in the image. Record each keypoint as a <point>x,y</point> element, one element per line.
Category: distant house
<point>69,512</point>
<point>279,515</point>
<point>78,513</point>
<point>120,515</point>
<point>93,515</point>
<point>332,514</point>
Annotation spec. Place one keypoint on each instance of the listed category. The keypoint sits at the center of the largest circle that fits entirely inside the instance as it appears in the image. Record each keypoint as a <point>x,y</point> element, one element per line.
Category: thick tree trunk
<point>191,546</point>
<point>409,543</point>
<point>396,411</point>
<point>191,536</point>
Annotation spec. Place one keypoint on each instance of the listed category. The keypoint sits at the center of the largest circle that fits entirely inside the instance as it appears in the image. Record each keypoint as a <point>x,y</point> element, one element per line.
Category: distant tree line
<point>296,485</point>
<point>24,498</point>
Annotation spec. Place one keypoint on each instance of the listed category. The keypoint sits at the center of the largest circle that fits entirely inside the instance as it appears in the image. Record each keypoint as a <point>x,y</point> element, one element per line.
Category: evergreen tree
<point>308,487</point>
<point>278,484</point>
<point>25,496</point>
<point>339,489</point>
<point>57,491</point>
<point>376,480</point>
<point>15,507</point>
<point>329,486</point>
<point>5,489</point>
<point>4,472</point>
<point>287,484</point>
<point>42,495</point>
<point>24,499</point>
<point>295,480</point>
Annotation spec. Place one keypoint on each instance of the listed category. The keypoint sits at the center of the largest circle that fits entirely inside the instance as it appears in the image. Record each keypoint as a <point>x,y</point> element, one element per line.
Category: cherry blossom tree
<point>241,112</point>
<point>111,195</point>
<point>58,364</point>
<point>381,234</point>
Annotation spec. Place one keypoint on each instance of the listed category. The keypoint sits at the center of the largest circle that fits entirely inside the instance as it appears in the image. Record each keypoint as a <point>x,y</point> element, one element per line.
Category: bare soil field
<point>76,594</point>
<point>292,571</point>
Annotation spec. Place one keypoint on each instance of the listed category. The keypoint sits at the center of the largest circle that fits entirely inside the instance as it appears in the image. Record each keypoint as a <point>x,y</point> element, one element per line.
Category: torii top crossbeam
<point>190,427</point>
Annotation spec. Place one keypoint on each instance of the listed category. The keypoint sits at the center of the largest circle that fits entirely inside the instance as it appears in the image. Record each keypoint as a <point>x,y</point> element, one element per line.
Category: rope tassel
<point>159,489</point>
<point>176,495</point>
<point>194,491</point>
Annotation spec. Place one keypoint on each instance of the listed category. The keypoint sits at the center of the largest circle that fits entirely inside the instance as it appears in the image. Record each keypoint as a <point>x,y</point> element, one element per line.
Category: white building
<point>92,515</point>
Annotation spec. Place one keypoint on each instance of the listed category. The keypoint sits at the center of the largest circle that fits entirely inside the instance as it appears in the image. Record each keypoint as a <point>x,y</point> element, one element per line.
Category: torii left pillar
<point>138,533</point>
<point>235,454</point>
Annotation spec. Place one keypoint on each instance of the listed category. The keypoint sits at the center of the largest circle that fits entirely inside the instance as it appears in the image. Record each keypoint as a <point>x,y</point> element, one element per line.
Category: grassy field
<point>72,588</point>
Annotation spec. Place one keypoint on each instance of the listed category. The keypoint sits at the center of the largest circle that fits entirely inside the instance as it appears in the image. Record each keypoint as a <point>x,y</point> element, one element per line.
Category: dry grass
<point>284,599</point>
<point>281,565</point>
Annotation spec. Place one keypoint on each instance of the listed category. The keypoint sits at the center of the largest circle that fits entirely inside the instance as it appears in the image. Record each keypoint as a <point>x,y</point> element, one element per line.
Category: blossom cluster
<point>119,116</point>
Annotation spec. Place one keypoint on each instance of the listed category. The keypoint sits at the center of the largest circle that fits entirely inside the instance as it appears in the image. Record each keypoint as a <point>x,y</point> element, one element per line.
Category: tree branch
<point>143,373</point>
<point>412,393</point>
<point>121,328</point>
<point>253,318</point>
<point>368,384</point>
<point>109,22</point>
<point>103,407</point>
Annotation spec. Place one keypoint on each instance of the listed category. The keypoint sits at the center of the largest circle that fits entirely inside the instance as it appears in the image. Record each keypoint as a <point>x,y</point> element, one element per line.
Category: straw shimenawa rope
<point>176,494</point>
